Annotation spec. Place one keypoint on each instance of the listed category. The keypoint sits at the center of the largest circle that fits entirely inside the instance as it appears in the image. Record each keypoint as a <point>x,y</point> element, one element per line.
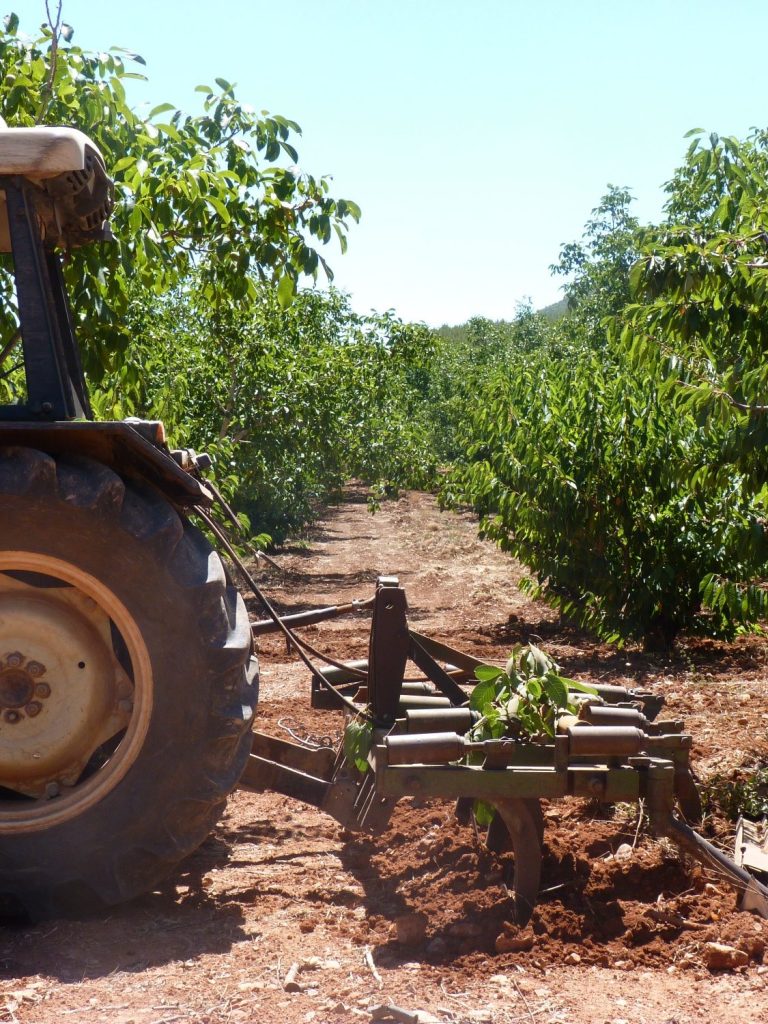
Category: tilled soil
<point>414,917</point>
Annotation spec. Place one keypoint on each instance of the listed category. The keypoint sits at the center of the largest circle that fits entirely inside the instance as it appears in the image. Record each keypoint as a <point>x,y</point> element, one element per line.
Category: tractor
<point>128,674</point>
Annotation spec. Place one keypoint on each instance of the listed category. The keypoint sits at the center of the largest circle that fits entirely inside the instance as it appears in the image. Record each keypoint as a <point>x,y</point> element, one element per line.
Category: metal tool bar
<point>261,774</point>
<point>421,657</point>
<point>454,781</point>
<point>443,652</point>
<point>316,761</point>
<point>262,626</point>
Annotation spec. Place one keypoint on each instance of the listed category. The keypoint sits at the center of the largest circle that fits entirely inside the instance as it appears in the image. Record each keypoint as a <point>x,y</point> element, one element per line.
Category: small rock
<point>573,958</point>
<point>718,956</point>
<point>514,942</point>
<point>753,946</point>
<point>466,930</point>
<point>437,946</point>
<point>624,852</point>
<point>410,929</point>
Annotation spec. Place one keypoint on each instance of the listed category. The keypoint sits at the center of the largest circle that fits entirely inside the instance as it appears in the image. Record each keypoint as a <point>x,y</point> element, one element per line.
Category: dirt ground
<point>614,940</point>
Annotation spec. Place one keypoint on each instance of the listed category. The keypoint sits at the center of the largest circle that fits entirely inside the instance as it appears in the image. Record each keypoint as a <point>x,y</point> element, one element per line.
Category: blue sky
<point>476,136</point>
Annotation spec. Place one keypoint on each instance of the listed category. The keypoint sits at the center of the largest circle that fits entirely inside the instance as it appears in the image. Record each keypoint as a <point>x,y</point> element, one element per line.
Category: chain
<point>307,739</point>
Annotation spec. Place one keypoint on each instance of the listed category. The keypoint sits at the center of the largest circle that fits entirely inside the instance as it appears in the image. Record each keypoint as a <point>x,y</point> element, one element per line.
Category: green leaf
<point>161,108</point>
<point>358,737</point>
<point>483,813</point>
<point>556,689</point>
<point>574,684</point>
<point>286,289</point>
<point>488,673</point>
<point>483,694</point>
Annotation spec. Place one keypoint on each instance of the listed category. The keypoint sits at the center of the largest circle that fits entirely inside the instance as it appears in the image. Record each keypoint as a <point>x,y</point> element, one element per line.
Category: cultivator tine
<point>522,821</point>
<point>497,838</point>
<point>688,799</point>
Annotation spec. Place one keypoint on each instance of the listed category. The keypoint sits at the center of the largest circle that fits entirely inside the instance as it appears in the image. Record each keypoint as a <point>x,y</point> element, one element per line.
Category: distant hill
<point>555,310</point>
<point>459,331</point>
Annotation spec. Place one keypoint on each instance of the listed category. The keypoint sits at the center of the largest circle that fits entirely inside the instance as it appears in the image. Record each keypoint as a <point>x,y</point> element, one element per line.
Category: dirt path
<point>613,941</point>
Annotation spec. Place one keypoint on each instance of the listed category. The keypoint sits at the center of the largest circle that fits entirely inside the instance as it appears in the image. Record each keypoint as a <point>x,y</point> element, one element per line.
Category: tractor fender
<point>134,449</point>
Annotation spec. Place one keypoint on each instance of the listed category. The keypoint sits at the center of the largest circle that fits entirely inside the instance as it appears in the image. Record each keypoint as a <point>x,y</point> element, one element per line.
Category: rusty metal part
<point>425,748</point>
<point>421,720</point>
<point>64,692</point>
<point>388,649</point>
<point>318,777</point>
<point>521,819</point>
<point>263,626</point>
<point>597,715</point>
<point>421,657</point>
<point>443,652</point>
<point>617,741</point>
<point>349,672</point>
<point>426,701</point>
<point>497,837</point>
<point>651,703</point>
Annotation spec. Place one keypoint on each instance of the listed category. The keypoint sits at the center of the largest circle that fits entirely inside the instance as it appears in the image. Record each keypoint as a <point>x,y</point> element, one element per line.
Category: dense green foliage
<point>620,456</point>
<point>218,191</point>
<point>193,314</point>
<point>294,401</point>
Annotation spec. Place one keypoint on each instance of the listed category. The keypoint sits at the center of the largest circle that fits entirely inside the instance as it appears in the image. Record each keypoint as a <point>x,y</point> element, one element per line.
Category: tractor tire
<point>127,685</point>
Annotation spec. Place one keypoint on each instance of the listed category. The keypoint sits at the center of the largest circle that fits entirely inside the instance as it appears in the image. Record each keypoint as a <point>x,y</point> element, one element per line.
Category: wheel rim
<point>75,691</point>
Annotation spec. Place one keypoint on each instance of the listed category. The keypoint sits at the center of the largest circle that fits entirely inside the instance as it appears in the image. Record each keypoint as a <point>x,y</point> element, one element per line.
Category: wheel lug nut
<point>35,669</point>
<point>33,708</point>
<point>52,790</point>
<point>12,717</point>
<point>42,690</point>
<point>14,659</point>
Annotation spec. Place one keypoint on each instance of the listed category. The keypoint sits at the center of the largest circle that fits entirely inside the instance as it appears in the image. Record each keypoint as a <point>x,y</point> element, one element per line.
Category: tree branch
<point>10,345</point>
<point>758,410</point>
<point>46,93</point>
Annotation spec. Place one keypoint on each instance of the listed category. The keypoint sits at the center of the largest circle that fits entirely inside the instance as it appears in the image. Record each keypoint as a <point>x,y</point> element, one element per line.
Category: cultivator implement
<point>616,750</point>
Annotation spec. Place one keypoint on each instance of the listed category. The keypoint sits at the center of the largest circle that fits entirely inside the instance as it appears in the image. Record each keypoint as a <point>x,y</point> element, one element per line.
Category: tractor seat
<point>71,191</point>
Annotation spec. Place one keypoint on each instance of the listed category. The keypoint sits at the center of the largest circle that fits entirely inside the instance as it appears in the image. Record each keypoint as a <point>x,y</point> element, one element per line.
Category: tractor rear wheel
<point>127,684</point>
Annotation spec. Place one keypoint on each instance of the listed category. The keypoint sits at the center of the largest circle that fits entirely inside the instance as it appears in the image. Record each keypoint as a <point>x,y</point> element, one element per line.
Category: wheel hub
<point>63,692</point>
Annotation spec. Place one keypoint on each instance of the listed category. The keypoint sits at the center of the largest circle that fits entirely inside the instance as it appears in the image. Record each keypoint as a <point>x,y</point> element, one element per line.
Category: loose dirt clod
<point>718,956</point>
<point>411,928</point>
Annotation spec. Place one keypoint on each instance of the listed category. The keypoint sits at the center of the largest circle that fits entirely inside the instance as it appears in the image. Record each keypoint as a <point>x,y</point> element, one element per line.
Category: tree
<point>219,192</point>
<point>597,267</point>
